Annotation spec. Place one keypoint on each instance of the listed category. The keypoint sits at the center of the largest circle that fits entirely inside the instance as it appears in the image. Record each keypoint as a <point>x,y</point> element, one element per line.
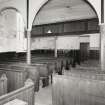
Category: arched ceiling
<point>64,10</point>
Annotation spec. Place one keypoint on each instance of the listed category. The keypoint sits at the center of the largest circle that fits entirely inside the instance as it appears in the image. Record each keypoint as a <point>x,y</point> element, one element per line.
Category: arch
<point>40,7</point>
<point>37,10</point>
<point>12,8</point>
<point>95,8</point>
<point>87,1</point>
<point>19,34</point>
<point>44,2</point>
<point>7,8</point>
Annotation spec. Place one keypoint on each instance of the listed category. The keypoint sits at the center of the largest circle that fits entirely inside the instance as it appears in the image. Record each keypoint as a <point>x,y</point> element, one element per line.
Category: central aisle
<point>44,96</point>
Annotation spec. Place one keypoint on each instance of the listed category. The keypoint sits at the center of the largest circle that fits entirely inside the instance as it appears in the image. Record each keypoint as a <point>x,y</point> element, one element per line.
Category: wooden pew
<point>3,84</point>
<point>25,93</point>
<point>58,63</point>
<point>72,90</point>
<point>45,68</point>
<point>31,72</point>
<point>51,63</point>
<point>49,66</point>
<point>42,69</point>
<point>15,77</point>
<point>20,72</point>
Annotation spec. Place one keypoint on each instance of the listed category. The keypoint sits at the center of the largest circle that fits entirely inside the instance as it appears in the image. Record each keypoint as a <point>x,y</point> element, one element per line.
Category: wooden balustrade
<point>25,93</point>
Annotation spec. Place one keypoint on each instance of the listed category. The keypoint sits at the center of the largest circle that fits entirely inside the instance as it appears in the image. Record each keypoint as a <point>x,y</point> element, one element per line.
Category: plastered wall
<point>66,42</point>
<point>34,7</point>
<point>42,43</point>
<point>11,31</point>
<point>94,41</point>
<point>7,31</point>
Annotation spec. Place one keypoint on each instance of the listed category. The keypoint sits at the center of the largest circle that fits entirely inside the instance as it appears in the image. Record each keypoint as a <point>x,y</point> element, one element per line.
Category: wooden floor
<point>44,96</point>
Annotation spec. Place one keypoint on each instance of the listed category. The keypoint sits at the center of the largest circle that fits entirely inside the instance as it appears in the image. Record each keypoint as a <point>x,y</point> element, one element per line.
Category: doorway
<point>84,51</point>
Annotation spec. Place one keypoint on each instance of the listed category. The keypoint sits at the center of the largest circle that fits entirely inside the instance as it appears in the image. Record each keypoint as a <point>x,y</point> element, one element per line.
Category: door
<point>84,51</point>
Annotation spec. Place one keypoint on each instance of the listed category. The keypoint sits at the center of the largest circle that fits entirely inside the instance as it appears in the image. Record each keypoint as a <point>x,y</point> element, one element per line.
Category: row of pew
<point>18,72</point>
<point>40,68</point>
<point>83,87</point>
<point>16,84</point>
<point>73,88</point>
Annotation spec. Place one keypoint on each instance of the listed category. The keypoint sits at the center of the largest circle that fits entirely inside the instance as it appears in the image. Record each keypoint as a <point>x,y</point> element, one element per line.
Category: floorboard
<point>44,96</point>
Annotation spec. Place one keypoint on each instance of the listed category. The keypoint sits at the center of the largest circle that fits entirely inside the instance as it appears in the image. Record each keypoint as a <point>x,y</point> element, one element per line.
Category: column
<point>55,51</point>
<point>28,47</point>
<point>102,56</point>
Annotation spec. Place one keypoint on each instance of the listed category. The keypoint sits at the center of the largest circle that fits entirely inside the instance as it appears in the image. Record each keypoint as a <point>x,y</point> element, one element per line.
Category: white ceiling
<point>62,4</point>
<point>64,10</point>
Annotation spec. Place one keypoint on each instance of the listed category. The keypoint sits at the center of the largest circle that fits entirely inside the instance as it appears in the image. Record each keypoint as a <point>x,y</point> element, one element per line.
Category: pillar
<point>102,56</point>
<point>55,51</point>
<point>28,47</point>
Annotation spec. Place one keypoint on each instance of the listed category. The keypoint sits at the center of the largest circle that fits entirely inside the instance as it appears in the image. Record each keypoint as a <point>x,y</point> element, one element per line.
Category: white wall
<point>94,41</point>
<point>62,42</point>
<point>8,31</point>
<point>20,37</point>
<point>84,39</point>
<point>11,31</point>
<point>20,5</point>
<point>42,43</point>
<point>67,42</point>
<point>35,5</point>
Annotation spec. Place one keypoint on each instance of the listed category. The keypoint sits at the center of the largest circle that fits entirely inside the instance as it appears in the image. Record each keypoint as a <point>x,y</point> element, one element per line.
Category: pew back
<point>16,78</point>
<point>31,72</point>
<point>18,73</point>
<point>40,67</point>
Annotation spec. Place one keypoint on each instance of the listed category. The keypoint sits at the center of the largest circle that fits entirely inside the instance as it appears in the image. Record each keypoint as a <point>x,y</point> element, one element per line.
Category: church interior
<point>52,52</point>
